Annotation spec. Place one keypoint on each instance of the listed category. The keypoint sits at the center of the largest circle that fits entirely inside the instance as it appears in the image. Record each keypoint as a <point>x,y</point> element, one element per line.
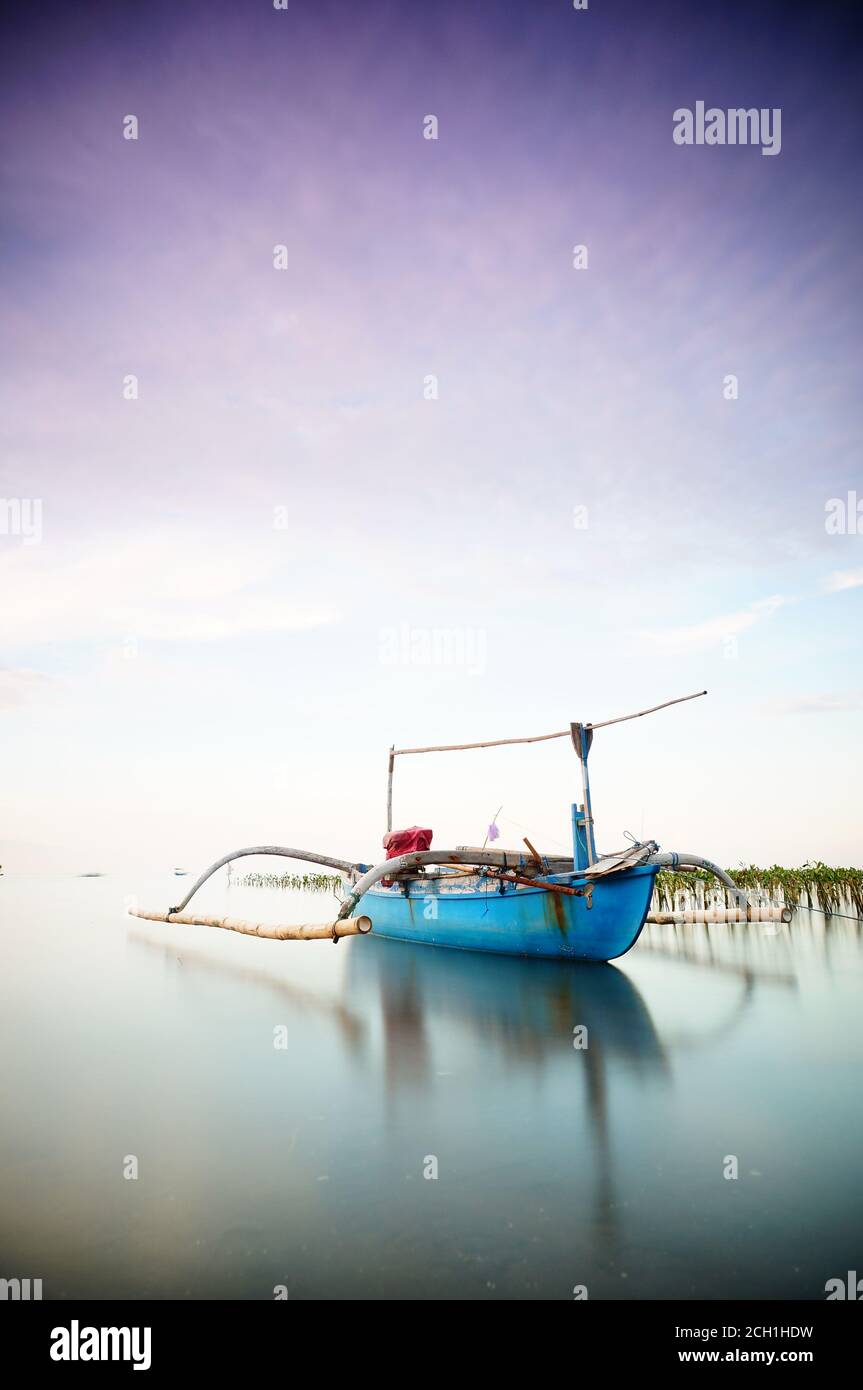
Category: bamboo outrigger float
<point>589,907</point>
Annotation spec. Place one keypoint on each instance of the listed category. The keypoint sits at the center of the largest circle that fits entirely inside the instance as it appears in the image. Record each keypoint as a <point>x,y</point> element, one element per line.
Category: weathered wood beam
<point>308,931</point>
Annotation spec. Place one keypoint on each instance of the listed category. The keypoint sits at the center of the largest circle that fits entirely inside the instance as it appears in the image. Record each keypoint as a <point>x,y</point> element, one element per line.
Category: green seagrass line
<point>813,885</point>
<point>300,883</point>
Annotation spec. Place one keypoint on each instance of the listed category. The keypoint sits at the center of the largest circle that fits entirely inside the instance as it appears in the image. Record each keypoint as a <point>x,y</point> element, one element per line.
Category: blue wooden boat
<point>483,913</point>
<point>589,907</point>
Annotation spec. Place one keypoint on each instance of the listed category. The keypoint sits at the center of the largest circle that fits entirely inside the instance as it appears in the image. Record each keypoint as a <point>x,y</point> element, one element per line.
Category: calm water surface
<point>304,1165</point>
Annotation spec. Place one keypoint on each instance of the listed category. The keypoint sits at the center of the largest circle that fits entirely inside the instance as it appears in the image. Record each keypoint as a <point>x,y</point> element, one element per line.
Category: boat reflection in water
<point>558,1165</point>
<point>584,1154</point>
<point>528,1018</point>
<point>527,1010</point>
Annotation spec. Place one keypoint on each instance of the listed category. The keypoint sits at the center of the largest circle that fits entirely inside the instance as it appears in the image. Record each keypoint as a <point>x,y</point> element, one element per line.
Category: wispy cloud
<point>157,585</point>
<point>826,702</point>
<point>17,687</point>
<point>840,580</point>
<point>714,630</point>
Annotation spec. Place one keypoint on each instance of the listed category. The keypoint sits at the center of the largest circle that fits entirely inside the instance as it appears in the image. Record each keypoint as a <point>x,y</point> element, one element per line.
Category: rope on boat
<point>828,912</point>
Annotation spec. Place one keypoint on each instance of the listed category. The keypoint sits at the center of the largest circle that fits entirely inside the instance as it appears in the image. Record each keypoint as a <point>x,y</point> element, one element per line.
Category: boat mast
<point>582,738</point>
<point>390,788</point>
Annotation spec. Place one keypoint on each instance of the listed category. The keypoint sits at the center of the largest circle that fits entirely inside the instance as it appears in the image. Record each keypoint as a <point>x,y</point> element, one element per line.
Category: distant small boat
<point>587,907</point>
<point>92,875</point>
<point>181,873</point>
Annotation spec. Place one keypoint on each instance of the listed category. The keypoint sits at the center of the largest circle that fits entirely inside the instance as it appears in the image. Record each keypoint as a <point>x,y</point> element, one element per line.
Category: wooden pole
<point>309,931</point>
<point>694,915</point>
<point>502,877</point>
<point>390,789</point>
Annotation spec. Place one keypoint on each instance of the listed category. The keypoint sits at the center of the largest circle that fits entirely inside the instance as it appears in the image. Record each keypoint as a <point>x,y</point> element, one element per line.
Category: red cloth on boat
<point>398,842</point>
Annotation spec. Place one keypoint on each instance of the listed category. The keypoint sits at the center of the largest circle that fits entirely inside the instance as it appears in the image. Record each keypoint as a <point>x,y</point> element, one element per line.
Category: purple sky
<point>179,670</point>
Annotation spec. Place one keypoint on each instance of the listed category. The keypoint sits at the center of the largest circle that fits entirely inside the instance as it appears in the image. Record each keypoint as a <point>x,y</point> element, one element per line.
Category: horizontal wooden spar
<point>542,738</point>
<point>500,877</point>
<point>308,931</point>
<point>462,747</point>
<point>624,718</point>
<point>694,915</point>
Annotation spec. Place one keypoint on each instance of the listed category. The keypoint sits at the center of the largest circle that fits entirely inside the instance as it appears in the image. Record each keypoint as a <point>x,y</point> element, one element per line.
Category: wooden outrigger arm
<point>672,859</point>
<point>365,877</point>
<point>307,855</point>
<point>310,931</point>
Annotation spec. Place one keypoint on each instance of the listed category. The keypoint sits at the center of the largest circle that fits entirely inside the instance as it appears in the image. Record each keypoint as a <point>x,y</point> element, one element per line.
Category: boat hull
<point>474,915</point>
